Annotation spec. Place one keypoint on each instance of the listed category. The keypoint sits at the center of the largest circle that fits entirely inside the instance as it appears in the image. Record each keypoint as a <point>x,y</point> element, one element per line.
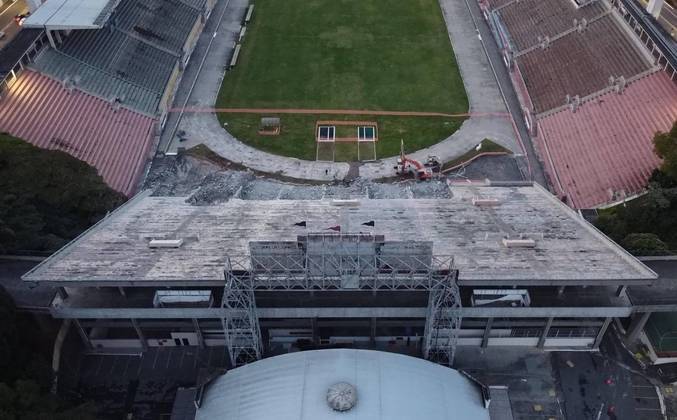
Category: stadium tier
<point>100,93</point>
<point>49,115</point>
<point>580,63</point>
<point>604,152</point>
<point>96,81</point>
<point>530,21</point>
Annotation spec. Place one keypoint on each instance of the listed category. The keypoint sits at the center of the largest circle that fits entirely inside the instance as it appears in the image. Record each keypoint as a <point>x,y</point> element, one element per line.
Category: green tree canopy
<point>47,197</point>
<point>665,145</point>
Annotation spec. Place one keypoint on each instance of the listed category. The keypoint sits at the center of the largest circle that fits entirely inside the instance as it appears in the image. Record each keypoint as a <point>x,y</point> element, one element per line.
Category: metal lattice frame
<point>443,322</point>
<point>339,268</point>
<point>333,272</point>
<point>241,325</point>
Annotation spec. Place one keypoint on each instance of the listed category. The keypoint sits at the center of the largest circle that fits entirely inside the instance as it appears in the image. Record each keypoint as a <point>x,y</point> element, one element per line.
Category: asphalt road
<point>503,79</point>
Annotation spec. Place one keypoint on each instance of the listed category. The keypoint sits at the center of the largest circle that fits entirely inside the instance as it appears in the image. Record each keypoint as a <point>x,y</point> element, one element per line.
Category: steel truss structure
<point>442,324</point>
<point>353,261</point>
<point>240,326</point>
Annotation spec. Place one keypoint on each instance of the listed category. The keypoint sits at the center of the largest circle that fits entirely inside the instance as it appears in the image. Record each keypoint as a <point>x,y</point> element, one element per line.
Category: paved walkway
<point>204,128</point>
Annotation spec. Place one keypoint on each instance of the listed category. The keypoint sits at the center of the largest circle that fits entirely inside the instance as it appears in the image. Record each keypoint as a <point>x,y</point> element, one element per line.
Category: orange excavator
<point>422,172</point>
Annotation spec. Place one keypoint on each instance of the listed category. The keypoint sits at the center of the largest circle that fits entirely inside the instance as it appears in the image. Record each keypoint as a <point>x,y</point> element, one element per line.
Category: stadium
<point>309,249</point>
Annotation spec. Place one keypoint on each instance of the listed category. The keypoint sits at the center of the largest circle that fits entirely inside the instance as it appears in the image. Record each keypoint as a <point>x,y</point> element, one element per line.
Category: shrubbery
<point>47,197</point>
<point>648,224</point>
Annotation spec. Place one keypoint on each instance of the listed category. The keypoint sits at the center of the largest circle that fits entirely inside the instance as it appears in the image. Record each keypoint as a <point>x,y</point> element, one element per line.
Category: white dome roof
<point>379,385</point>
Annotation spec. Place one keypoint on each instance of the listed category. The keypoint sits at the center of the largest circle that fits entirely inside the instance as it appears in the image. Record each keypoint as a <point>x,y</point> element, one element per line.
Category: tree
<point>665,145</point>
<point>47,197</point>
<point>25,373</point>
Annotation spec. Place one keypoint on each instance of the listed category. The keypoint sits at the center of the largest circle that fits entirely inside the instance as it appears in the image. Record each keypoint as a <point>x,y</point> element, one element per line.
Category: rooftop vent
<point>165,243</point>
<point>519,243</point>
<point>485,202</point>
<point>341,396</point>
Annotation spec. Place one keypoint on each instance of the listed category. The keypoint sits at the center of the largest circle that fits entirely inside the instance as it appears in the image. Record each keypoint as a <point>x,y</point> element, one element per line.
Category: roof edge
<point>96,226</point>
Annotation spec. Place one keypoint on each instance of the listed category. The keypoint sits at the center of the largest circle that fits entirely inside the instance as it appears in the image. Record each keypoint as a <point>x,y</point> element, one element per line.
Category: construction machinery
<point>422,172</point>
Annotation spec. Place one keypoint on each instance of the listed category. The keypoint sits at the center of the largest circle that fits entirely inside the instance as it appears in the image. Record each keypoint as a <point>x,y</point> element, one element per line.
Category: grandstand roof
<point>71,14</point>
<point>580,63</point>
<point>97,82</point>
<point>165,23</point>
<point>387,385</point>
<point>527,20</point>
<point>607,143</point>
<point>43,112</point>
<point>568,249</point>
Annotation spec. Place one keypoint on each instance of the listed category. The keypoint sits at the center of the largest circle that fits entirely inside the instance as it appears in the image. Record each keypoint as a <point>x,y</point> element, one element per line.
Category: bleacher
<point>604,151</point>
<point>47,114</point>
<point>530,21</point>
<point>101,93</point>
<point>133,57</point>
<point>580,63</point>
<point>164,23</point>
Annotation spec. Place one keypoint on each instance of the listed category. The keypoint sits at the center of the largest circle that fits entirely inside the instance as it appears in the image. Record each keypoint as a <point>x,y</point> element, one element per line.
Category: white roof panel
<point>71,14</point>
<point>389,386</point>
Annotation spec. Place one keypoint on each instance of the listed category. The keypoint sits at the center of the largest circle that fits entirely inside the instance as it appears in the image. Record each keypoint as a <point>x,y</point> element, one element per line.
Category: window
<point>365,133</point>
<point>326,132</point>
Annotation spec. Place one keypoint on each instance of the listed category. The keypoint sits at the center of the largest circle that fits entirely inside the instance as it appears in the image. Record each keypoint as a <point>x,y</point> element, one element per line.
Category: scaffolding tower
<point>339,261</point>
<point>443,322</point>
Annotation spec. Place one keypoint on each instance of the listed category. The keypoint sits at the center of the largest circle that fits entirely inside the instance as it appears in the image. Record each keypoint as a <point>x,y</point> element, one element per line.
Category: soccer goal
<point>346,141</point>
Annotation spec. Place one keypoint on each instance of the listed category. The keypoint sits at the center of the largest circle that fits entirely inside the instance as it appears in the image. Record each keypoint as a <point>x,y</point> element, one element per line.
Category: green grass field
<point>344,54</point>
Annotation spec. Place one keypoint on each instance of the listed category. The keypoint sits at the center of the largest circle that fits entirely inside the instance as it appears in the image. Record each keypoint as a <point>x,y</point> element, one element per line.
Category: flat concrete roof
<point>568,250</point>
<point>71,14</point>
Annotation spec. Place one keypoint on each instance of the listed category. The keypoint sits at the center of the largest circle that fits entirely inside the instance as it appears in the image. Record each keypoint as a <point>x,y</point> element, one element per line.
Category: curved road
<point>203,76</point>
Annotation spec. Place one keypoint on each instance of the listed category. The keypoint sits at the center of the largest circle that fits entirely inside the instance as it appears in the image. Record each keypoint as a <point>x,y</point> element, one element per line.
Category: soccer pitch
<point>390,55</point>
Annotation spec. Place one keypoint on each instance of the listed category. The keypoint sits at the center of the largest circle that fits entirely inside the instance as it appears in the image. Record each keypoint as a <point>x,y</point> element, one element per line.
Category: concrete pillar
<point>600,334</point>
<point>637,325</point>
<point>83,334</point>
<point>544,334</point>
<point>198,332</point>
<point>57,35</point>
<point>654,8</point>
<point>620,290</point>
<point>139,333</point>
<point>487,331</point>
<point>50,38</point>
<point>61,291</point>
<point>313,325</point>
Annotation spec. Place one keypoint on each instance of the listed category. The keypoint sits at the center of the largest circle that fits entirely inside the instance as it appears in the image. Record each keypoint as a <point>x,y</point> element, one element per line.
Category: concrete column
<point>654,8</point>
<point>600,334</point>
<point>544,334</point>
<point>372,335</point>
<point>83,334</point>
<point>620,290</point>
<point>313,325</point>
<point>61,291</point>
<point>57,35</point>
<point>142,339</point>
<point>50,38</point>
<point>487,331</point>
<point>637,325</point>
<point>200,338</point>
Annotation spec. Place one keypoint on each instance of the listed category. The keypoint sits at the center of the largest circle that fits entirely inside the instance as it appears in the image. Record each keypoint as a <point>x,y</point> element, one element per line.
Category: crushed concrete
<point>205,182</point>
